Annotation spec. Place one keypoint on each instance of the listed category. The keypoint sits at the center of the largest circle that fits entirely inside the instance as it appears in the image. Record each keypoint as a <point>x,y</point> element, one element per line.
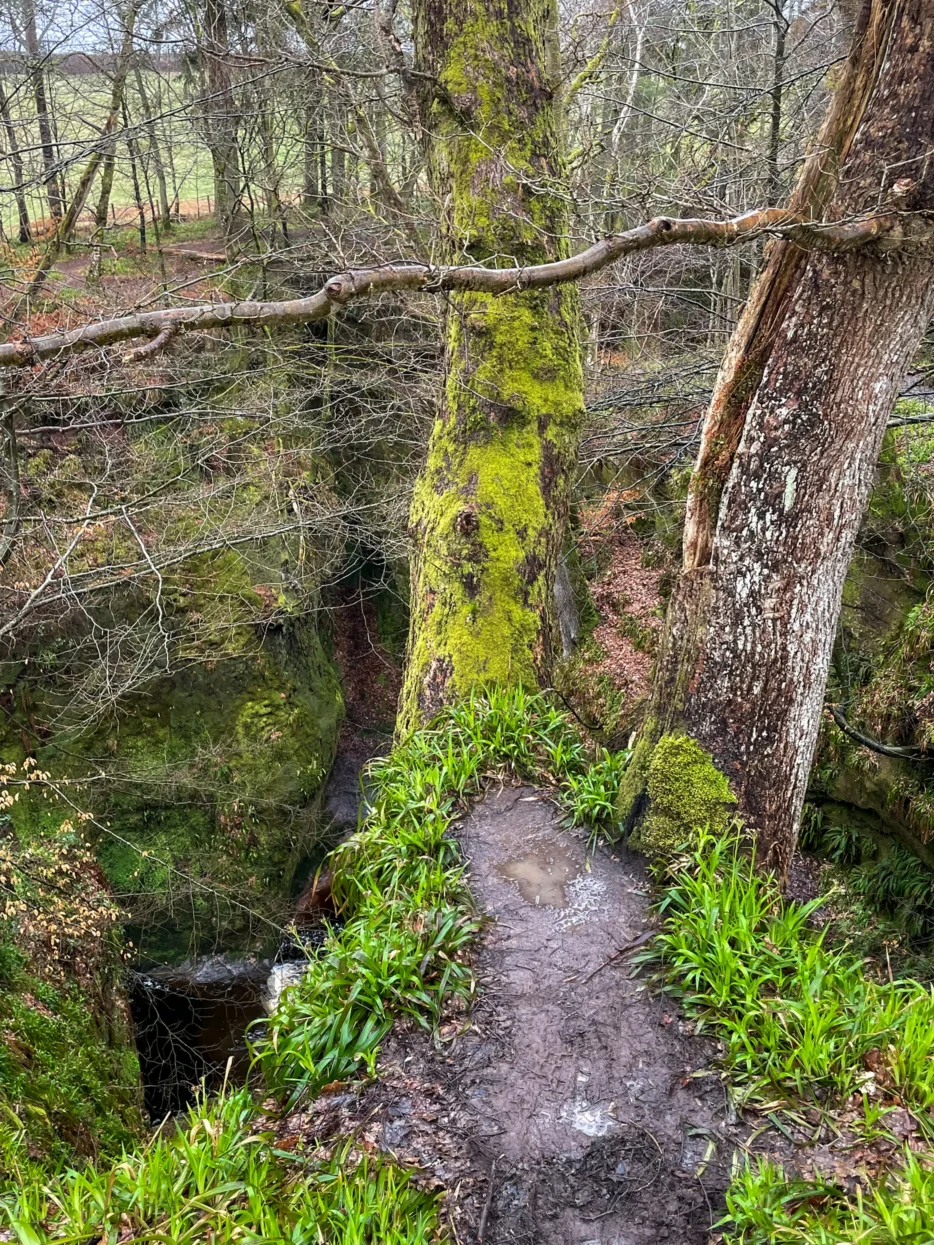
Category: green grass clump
<point>217,1176</point>
<point>803,1020</point>
<point>794,1014</point>
<point>399,884</point>
<point>771,1210</point>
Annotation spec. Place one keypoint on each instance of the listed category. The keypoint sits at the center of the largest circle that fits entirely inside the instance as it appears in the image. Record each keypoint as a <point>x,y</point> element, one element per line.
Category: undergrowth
<point>884,879</point>
<point>798,1021</point>
<point>401,952</point>
<point>767,1207</point>
<point>216,1176</point>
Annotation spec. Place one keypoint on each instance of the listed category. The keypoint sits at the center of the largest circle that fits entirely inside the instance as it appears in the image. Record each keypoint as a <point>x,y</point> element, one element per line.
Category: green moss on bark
<point>490,508</point>
<point>686,793</point>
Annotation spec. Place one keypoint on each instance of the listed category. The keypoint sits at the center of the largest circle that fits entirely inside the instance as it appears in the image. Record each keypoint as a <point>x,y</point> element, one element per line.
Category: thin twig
<point>481,1230</point>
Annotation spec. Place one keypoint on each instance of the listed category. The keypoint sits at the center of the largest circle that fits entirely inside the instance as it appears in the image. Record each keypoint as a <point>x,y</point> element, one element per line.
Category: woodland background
<point>205,549</point>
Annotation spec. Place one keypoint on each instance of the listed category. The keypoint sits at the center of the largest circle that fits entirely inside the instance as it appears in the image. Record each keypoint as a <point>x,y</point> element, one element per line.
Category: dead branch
<point>148,349</point>
<point>875,745</point>
<point>358,283</point>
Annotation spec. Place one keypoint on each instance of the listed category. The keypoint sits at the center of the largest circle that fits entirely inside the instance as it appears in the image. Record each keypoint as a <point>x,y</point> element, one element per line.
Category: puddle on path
<point>541,875</point>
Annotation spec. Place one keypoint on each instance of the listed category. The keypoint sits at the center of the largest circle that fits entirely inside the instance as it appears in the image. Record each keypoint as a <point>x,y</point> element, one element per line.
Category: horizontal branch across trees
<point>161,326</point>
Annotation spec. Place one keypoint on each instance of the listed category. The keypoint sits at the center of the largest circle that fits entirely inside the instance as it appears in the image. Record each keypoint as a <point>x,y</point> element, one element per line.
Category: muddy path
<point>571,1105</point>
<point>583,1091</point>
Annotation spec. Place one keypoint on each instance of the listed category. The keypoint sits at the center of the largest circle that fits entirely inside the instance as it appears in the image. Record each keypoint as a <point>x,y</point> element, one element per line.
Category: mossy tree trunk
<point>490,508</point>
<point>791,442</point>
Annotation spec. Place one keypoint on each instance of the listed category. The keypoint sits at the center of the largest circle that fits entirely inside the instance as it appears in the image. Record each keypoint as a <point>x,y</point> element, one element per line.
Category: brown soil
<point>371,681</point>
<point>573,1107</point>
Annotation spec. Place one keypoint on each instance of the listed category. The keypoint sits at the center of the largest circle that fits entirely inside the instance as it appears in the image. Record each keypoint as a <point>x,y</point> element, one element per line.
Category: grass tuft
<point>216,1176</point>
<point>768,1209</point>
<point>802,1020</point>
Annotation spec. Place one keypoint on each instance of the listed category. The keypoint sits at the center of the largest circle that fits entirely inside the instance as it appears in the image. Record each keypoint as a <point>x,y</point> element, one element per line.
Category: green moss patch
<point>686,794</point>
<point>69,1077</point>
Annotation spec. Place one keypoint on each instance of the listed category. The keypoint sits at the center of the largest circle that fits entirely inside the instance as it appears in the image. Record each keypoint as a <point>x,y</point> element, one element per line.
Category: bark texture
<point>794,430</point>
<point>489,510</point>
<point>220,115</point>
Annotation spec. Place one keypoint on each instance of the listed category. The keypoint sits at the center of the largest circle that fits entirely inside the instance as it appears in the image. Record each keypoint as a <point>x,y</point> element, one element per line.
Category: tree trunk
<point>132,150</point>
<point>338,134</point>
<point>780,26</point>
<point>311,153</point>
<point>53,185</point>
<point>221,116</point>
<point>790,446</point>
<point>16,167</point>
<point>489,509</point>
<point>101,212</point>
<point>165,209</point>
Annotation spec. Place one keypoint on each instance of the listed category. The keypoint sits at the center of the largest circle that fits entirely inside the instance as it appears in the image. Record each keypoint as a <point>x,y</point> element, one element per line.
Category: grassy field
<point>80,104</point>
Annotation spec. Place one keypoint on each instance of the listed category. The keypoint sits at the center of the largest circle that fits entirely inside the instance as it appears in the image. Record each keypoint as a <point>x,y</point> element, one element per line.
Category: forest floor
<point>572,1106</point>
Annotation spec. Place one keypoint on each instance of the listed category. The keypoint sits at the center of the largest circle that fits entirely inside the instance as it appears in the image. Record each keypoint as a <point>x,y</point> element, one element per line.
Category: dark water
<point>191,1028</point>
<point>191,1020</point>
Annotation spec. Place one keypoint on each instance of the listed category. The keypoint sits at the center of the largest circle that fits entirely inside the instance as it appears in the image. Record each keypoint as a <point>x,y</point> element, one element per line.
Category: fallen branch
<point>643,938</point>
<point>358,283</point>
<point>148,349</point>
<point>206,257</point>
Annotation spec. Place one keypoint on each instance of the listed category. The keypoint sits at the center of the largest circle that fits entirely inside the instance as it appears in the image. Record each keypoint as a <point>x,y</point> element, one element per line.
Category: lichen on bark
<point>490,507</point>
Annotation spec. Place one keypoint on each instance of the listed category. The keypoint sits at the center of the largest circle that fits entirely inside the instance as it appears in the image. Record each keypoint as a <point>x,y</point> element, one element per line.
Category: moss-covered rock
<point>216,803</point>
<point>685,793</point>
<point>882,674</point>
<point>204,791</point>
<point>69,1076</point>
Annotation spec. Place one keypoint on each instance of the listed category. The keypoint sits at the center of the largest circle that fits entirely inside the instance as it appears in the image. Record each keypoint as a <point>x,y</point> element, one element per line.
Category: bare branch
<point>874,745</point>
<point>358,283</point>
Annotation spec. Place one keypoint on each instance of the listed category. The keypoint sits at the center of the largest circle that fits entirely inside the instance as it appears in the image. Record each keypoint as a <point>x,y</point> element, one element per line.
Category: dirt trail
<point>577,1081</point>
<point>569,1110</point>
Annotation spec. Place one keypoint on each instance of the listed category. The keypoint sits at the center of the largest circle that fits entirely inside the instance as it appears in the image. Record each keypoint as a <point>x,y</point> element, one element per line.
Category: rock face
<point>204,804</point>
<point>870,808</point>
<point>237,755</point>
<point>213,781</point>
<point>280,978</point>
<point>69,1076</point>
